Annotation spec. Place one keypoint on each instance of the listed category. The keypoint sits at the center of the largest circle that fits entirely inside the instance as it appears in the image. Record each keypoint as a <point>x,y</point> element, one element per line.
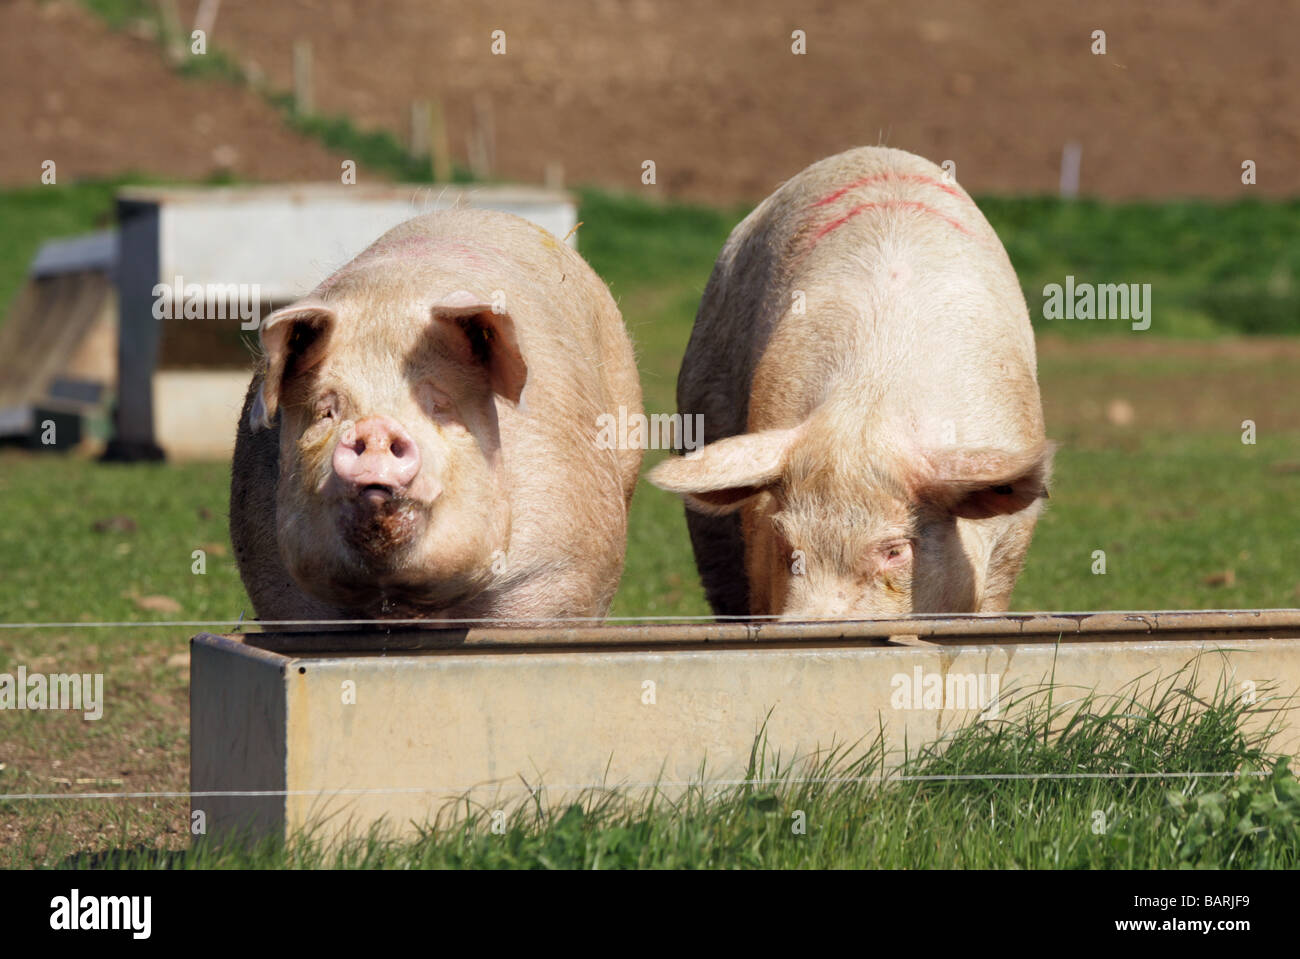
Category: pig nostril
<point>378,458</point>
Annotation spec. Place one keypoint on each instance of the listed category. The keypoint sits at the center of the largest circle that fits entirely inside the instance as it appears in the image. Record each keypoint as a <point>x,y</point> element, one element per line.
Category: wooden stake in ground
<point>429,138</point>
<point>421,119</point>
<point>482,142</point>
<point>554,176</point>
<point>170,21</point>
<point>206,17</point>
<point>1071,160</point>
<point>302,98</point>
<point>439,144</point>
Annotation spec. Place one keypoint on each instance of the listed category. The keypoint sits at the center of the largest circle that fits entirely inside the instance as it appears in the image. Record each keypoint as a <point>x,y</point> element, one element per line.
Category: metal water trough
<point>338,730</point>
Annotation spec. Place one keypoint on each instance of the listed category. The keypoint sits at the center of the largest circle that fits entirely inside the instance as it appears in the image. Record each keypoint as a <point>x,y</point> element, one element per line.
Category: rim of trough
<point>937,629</point>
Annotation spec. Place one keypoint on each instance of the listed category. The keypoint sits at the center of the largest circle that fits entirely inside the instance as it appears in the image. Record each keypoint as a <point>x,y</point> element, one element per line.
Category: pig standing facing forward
<point>420,441</point>
<point>865,367</point>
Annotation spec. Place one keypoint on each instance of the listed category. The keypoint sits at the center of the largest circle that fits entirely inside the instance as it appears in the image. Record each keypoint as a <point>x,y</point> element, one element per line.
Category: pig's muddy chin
<point>378,530</point>
<point>400,593</point>
<point>385,560</point>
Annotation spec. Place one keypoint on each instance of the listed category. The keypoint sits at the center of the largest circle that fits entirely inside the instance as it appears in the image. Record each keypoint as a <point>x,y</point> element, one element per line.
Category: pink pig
<point>865,367</point>
<point>420,441</point>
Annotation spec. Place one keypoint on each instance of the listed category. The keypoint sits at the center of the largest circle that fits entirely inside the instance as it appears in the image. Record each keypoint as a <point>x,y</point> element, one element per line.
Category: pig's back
<point>910,305</point>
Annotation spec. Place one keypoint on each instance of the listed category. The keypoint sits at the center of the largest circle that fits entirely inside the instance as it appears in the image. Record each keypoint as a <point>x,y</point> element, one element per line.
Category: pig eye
<point>325,408</point>
<point>897,552</point>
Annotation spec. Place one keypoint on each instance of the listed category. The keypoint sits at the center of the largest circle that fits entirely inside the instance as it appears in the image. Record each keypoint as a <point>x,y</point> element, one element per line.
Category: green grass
<point>119,14</point>
<point>933,812</point>
<point>1169,514</point>
<point>1213,268</point>
<point>59,567</point>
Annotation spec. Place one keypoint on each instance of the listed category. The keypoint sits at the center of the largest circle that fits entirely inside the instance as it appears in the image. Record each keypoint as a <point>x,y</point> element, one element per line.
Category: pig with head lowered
<point>865,369</point>
<point>420,440</point>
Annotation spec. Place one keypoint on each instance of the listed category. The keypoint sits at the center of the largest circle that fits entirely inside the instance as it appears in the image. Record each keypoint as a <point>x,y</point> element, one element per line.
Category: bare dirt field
<point>1186,91</point>
<point>101,103</point>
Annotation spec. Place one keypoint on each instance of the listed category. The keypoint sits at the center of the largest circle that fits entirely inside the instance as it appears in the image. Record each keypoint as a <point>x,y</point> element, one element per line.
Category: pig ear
<point>720,477</point>
<point>979,483</point>
<point>293,340</point>
<point>488,339</point>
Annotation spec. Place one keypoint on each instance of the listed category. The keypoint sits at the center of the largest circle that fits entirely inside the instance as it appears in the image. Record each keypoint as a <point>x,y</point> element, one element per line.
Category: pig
<point>865,368</point>
<point>419,439</point>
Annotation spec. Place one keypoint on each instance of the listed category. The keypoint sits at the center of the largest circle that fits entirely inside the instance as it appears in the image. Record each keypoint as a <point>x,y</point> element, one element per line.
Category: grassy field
<point>1152,471</point>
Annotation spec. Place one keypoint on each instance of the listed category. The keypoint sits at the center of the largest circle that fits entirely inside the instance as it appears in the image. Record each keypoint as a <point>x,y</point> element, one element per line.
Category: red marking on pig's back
<point>878,179</point>
<point>891,205</point>
<point>875,178</point>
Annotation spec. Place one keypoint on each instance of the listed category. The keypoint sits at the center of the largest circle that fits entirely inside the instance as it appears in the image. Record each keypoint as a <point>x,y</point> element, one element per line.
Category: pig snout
<point>376,452</point>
